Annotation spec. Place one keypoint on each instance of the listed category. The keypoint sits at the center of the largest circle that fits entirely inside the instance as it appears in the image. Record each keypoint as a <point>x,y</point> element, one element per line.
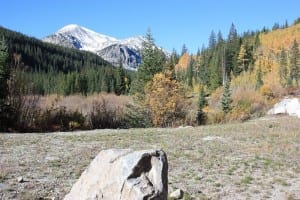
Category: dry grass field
<point>257,159</point>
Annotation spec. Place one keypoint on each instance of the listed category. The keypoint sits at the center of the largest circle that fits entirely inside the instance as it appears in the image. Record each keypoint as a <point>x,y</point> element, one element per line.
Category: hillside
<point>274,40</point>
<point>271,44</point>
<point>49,68</point>
<point>254,160</point>
<point>40,56</point>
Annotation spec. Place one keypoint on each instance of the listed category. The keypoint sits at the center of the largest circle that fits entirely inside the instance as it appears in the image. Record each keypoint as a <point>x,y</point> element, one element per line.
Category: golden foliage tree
<point>241,59</point>
<point>163,99</point>
<point>183,62</point>
<point>271,45</point>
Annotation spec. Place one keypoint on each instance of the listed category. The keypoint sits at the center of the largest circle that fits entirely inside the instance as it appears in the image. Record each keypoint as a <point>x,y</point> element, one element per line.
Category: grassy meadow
<point>257,159</point>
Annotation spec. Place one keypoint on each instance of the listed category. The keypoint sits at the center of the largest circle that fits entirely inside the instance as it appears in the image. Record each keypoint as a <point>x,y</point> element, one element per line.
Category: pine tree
<point>231,52</point>
<point>203,74</point>
<point>283,68</point>
<point>256,41</point>
<point>152,63</point>
<point>202,102</point>
<point>286,24</point>
<point>212,40</point>
<point>83,84</point>
<point>215,75</point>
<point>120,80</point>
<point>226,99</point>
<point>170,64</point>
<point>295,62</point>
<point>220,39</point>
<point>259,81</point>
<point>184,50</point>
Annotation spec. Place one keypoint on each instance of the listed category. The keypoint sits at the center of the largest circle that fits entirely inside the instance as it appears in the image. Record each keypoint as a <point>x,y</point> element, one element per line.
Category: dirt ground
<point>258,159</point>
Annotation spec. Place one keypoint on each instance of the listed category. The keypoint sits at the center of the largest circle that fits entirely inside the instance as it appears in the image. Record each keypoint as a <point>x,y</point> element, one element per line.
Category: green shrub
<point>137,117</point>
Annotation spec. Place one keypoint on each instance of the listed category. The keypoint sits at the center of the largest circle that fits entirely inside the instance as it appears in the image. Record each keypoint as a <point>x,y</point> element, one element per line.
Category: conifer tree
<point>232,49</point>
<point>184,50</point>
<point>259,81</point>
<point>212,40</point>
<point>203,74</point>
<point>170,64</point>
<point>220,38</point>
<point>256,41</point>
<point>226,99</point>
<point>152,63</point>
<point>283,68</point>
<point>83,84</point>
<point>120,80</point>
<point>202,102</point>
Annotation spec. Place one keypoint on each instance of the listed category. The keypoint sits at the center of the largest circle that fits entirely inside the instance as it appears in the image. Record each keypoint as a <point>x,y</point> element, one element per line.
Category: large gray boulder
<point>123,174</point>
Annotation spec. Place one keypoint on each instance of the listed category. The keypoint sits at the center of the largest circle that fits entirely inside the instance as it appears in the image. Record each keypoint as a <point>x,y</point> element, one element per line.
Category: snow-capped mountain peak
<point>109,48</point>
<point>69,28</point>
<point>135,42</point>
<point>90,40</point>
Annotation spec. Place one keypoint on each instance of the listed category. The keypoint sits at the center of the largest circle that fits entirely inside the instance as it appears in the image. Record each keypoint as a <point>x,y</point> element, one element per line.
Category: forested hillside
<point>225,58</point>
<point>53,69</point>
<point>261,66</point>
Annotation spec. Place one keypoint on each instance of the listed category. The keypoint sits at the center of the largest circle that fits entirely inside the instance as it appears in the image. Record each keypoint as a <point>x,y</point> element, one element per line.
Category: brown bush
<point>247,101</point>
<point>59,119</point>
<point>104,115</point>
<point>216,117</point>
<point>84,104</point>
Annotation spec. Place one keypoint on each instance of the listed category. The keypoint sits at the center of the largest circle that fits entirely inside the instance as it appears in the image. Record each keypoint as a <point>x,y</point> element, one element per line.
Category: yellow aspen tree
<point>163,99</point>
<point>242,58</point>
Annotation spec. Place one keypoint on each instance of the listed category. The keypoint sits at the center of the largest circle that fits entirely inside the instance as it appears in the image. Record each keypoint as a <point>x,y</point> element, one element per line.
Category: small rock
<point>20,179</point>
<point>177,194</point>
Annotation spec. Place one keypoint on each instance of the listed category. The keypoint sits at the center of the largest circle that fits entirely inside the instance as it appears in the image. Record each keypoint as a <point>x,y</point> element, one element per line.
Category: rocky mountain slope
<point>110,48</point>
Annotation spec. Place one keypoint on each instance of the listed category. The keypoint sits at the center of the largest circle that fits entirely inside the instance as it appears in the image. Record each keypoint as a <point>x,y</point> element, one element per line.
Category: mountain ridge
<point>110,48</point>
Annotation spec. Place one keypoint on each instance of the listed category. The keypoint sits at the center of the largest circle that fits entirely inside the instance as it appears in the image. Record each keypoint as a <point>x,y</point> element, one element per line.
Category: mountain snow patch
<point>109,48</point>
<point>290,106</point>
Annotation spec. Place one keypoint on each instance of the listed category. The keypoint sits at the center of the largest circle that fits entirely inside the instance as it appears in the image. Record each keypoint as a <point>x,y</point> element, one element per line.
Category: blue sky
<point>173,22</point>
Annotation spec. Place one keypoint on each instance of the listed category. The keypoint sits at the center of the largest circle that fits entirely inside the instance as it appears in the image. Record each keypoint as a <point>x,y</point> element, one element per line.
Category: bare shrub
<point>67,113</point>
<point>214,100</point>
<point>105,115</point>
<point>247,102</point>
<point>216,117</point>
<point>60,119</point>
